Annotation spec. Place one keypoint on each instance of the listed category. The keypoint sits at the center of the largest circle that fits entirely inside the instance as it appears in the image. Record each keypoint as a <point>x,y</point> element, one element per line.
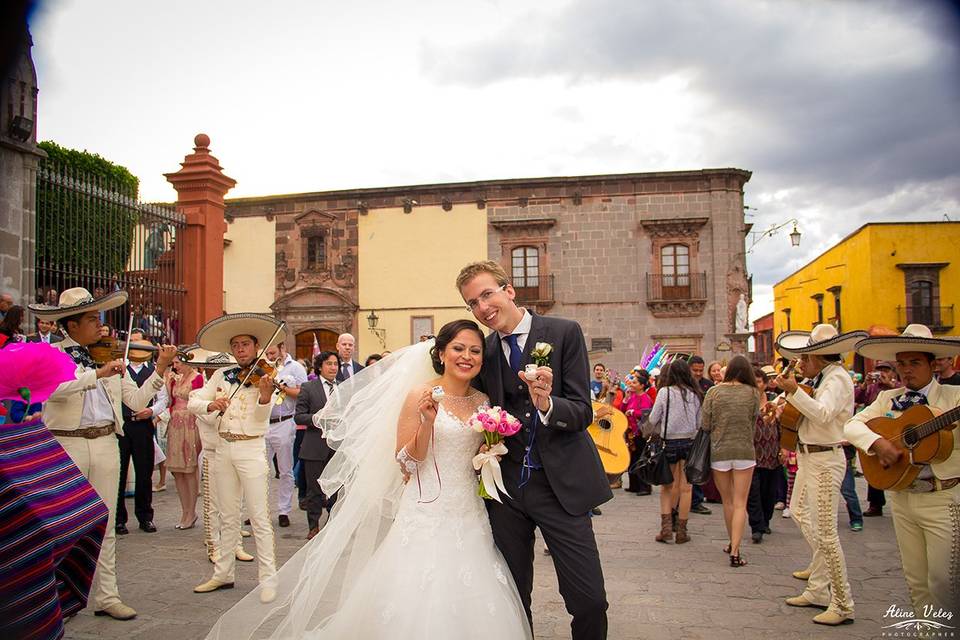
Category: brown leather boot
<point>666,528</point>
<point>682,532</point>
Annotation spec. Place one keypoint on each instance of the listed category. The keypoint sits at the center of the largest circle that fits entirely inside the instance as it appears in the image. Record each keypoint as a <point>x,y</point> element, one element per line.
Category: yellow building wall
<point>249,265</point>
<point>408,266</point>
<point>864,265</point>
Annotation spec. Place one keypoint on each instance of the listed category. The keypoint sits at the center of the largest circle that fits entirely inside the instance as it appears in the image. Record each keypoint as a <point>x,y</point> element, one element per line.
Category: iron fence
<point>686,286</point>
<point>939,319</point>
<point>91,233</point>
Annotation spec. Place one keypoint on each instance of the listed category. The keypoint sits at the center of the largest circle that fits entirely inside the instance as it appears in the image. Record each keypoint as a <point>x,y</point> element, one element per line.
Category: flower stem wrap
<point>488,464</point>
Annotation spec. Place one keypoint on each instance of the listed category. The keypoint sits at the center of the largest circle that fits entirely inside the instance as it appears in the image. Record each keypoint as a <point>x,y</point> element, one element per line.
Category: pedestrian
<point>767,473</point>
<point>676,415</point>
<point>729,414</point>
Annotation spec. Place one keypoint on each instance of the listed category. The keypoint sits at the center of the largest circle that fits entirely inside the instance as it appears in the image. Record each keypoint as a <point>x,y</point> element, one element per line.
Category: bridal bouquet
<point>495,424</point>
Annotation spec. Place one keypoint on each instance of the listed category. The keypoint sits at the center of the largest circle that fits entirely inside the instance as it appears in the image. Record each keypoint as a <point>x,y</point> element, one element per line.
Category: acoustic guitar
<point>791,416</point>
<point>923,438</point>
<point>608,430</point>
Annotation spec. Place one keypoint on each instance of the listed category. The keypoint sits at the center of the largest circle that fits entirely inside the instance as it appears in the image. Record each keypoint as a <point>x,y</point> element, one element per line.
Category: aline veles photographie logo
<point>929,622</point>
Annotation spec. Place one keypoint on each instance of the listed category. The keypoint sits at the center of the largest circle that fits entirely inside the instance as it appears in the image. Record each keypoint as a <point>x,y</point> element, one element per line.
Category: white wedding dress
<point>395,560</point>
<point>438,573</point>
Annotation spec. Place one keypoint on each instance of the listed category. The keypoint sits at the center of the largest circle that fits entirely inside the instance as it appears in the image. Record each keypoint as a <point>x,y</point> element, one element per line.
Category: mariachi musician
<point>926,513</point>
<point>821,464</point>
<point>86,417</point>
<point>241,410</point>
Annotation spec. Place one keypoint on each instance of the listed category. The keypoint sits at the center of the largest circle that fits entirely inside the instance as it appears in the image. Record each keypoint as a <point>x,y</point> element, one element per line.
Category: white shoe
<point>786,512</point>
<point>267,594</point>
<point>779,506</point>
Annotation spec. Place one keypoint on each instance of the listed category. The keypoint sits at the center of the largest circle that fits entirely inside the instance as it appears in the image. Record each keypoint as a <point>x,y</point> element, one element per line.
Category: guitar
<point>608,431</point>
<point>791,416</point>
<point>923,437</point>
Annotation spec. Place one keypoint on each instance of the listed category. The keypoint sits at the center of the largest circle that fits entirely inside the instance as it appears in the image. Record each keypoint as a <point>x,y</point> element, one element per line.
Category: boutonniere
<point>541,354</point>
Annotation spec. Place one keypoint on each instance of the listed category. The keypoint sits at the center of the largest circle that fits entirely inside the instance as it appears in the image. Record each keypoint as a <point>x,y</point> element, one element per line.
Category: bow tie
<point>907,400</point>
<point>81,356</point>
<point>232,375</point>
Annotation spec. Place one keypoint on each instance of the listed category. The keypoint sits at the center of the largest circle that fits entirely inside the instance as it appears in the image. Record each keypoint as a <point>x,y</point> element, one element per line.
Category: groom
<point>551,470</point>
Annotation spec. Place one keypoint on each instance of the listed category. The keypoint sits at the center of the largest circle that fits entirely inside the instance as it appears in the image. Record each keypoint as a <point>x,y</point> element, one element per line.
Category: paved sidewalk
<point>655,590</point>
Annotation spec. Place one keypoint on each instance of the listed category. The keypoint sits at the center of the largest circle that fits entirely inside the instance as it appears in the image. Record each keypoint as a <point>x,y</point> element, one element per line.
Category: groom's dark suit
<point>558,497</point>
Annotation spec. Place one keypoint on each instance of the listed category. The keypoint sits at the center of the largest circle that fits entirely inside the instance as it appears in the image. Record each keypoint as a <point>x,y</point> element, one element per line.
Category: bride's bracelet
<point>407,461</point>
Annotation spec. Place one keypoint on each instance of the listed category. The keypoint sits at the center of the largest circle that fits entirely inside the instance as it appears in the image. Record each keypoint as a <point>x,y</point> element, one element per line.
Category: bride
<point>408,551</point>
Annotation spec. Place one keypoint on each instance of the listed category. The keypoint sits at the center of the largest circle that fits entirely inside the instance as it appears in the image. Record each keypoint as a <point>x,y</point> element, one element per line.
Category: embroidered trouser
<point>928,534</point>
<point>99,461</point>
<point>813,505</point>
<point>240,474</point>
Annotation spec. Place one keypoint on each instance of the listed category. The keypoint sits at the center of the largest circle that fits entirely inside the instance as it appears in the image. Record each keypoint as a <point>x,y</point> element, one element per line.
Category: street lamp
<point>794,235</point>
<point>372,321</point>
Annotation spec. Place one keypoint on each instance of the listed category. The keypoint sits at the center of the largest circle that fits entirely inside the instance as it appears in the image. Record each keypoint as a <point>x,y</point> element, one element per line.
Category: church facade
<point>634,258</point>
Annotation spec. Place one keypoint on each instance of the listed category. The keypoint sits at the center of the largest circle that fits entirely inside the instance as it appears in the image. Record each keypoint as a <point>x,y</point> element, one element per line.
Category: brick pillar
<point>201,185</point>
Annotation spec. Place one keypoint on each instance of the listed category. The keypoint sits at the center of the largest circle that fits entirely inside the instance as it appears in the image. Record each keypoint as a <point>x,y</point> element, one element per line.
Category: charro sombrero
<point>76,301</point>
<point>916,337</point>
<point>823,340</point>
<point>216,334</point>
<point>200,358</point>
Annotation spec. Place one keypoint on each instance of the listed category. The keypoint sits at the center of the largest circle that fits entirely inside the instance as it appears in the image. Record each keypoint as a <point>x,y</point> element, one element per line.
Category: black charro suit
<point>558,498</point>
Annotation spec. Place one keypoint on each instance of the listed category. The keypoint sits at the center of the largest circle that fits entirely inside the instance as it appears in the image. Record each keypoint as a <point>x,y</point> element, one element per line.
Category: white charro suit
<point>816,490</point>
<point>240,471</point>
<point>98,458</point>
<point>927,523</point>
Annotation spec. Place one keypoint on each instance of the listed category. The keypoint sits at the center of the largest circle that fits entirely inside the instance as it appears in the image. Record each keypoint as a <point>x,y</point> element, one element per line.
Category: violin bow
<point>263,350</point>
<point>126,347</point>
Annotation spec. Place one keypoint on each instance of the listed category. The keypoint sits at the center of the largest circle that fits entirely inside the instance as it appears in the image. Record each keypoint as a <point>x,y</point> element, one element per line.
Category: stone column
<point>201,185</point>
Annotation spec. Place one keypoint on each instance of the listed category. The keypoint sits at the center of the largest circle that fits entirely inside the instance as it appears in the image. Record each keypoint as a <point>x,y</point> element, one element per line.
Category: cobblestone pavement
<point>654,590</point>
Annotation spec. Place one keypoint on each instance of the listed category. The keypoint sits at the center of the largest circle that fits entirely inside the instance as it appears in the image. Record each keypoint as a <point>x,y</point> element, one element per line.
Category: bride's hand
<point>427,408</point>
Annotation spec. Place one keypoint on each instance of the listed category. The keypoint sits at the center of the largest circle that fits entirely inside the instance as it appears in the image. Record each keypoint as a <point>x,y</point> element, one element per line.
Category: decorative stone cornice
<point>673,227</point>
<point>523,223</point>
<point>676,308</point>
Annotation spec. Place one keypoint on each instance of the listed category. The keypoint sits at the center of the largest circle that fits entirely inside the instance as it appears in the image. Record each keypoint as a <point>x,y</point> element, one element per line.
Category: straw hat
<point>916,337</point>
<point>200,358</point>
<point>823,340</point>
<point>76,301</point>
<point>216,334</point>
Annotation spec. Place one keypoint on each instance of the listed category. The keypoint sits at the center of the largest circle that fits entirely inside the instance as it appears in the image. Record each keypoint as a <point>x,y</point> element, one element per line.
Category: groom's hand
<point>540,388</point>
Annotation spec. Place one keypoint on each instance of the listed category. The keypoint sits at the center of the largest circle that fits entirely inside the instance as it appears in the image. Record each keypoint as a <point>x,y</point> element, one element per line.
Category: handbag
<point>652,466</point>
<point>698,460</point>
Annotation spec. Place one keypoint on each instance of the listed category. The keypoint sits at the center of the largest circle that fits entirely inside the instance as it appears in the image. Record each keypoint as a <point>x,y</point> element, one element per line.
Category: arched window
<point>525,271</point>
<point>675,270</point>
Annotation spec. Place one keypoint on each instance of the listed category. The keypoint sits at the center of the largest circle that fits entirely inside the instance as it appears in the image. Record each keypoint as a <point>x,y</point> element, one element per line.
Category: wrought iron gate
<point>91,234</point>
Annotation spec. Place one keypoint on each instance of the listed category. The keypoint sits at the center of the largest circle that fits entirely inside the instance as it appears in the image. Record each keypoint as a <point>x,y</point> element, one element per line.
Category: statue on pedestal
<point>740,324</point>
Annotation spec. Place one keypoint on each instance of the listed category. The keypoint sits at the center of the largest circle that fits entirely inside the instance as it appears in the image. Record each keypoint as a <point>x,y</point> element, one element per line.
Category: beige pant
<point>99,461</point>
<point>816,496</point>
<point>928,534</point>
<point>240,475</point>
<point>211,508</point>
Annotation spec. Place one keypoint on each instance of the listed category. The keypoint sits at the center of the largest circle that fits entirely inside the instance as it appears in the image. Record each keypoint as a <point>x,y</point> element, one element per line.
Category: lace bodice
<point>450,456</point>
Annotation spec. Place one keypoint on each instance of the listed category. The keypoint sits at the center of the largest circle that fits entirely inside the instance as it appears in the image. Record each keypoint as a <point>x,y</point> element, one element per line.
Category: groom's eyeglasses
<point>484,297</point>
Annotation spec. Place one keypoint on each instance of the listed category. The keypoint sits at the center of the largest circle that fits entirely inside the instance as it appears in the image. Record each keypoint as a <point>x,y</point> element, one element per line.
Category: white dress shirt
<point>522,331</point>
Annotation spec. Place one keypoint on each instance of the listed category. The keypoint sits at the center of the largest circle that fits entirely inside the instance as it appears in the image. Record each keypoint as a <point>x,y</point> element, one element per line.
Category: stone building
<point>634,258</point>
<point>19,156</point>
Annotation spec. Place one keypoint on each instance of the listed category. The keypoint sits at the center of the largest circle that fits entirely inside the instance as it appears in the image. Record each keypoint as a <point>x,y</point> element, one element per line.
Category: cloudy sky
<point>845,112</point>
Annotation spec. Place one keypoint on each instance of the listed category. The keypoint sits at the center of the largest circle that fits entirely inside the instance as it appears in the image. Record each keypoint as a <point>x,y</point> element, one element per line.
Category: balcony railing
<point>690,286</point>
<point>540,295</point>
<point>939,319</point>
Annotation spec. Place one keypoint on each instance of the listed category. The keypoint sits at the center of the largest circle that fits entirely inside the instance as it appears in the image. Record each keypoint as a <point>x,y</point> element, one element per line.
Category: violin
<point>109,348</point>
<point>254,372</point>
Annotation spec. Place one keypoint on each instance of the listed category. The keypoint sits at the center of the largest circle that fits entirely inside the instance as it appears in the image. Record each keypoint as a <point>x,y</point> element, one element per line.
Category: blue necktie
<point>530,459</point>
<point>907,400</point>
<point>515,354</point>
